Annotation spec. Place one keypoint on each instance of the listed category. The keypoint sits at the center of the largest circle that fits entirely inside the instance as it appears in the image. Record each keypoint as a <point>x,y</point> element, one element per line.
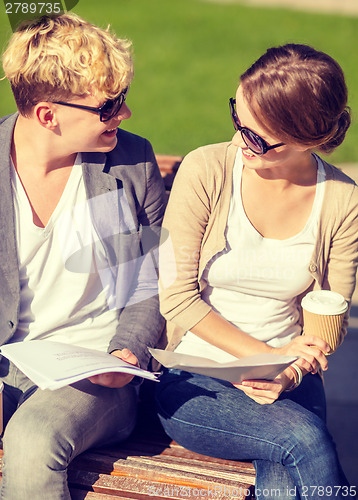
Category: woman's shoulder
<point>217,158</point>
<point>336,174</point>
<point>220,151</point>
<point>342,190</point>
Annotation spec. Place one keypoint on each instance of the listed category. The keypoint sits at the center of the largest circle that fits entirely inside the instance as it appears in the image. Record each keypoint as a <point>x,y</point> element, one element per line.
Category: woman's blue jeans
<point>292,450</point>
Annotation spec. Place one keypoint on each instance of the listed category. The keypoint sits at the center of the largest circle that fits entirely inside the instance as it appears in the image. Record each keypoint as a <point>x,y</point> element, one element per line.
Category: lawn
<point>189,55</point>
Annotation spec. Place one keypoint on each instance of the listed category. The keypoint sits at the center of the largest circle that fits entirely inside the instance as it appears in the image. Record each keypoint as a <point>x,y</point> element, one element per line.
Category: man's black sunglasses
<point>107,111</point>
<point>253,141</point>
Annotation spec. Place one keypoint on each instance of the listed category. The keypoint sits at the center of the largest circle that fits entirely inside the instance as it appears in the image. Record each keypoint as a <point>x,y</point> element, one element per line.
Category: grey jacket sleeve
<point>140,322</point>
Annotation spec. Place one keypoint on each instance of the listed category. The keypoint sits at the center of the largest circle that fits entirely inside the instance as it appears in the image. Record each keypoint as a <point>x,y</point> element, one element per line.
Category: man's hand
<point>116,380</point>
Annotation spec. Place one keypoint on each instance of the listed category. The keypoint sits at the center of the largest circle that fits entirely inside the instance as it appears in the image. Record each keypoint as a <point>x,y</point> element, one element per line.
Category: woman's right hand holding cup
<point>311,350</point>
<point>323,315</point>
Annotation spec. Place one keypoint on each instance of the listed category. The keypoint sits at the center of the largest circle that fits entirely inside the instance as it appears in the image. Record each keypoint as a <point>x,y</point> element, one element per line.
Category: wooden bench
<point>150,464</point>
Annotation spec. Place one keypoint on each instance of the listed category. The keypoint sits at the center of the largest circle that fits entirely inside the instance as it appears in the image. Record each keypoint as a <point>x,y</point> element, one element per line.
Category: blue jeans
<point>46,429</point>
<point>288,441</point>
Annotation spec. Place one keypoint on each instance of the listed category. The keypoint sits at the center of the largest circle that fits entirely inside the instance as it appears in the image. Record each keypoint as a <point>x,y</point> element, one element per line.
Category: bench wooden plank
<point>122,464</point>
<point>120,472</point>
<point>149,462</point>
<point>92,495</point>
<point>168,166</point>
<point>133,486</point>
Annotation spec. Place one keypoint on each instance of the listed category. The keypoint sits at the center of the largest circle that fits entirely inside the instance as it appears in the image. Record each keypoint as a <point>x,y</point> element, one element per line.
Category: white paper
<point>259,366</point>
<point>52,365</point>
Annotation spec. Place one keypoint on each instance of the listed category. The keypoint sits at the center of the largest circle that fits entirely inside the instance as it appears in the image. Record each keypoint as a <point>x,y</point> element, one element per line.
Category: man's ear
<point>46,115</point>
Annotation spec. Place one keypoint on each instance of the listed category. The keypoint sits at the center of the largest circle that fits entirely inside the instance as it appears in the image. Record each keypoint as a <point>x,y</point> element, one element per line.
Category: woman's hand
<point>116,380</point>
<point>266,391</point>
<point>311,351</point>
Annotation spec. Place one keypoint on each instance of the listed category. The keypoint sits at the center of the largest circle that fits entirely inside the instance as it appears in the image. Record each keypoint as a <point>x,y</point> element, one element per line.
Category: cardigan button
<point>11,324</point>
<point>313,268</point>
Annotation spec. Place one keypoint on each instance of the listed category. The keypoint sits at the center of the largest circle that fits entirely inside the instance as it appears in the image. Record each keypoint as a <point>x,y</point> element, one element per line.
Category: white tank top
<point>254,282</point>
<point>56,303</point>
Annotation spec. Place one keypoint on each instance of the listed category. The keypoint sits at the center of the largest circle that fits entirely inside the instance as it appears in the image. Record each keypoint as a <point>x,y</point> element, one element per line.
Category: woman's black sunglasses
<point>253,141</point>
<point>107,111</point>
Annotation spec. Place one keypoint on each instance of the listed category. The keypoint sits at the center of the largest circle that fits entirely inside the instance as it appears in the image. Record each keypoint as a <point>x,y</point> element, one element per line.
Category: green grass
<point>189,55</point>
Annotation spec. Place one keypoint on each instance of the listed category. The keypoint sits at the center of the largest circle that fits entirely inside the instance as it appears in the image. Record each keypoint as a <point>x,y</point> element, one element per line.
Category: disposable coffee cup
<point>323,314</point>
<point>1,407</point>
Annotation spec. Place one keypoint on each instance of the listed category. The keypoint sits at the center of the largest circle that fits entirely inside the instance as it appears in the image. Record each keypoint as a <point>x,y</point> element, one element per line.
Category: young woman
<point>263,220</point>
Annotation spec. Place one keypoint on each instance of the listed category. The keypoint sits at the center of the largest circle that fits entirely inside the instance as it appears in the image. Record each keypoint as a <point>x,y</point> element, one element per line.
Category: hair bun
<point>337,138</point>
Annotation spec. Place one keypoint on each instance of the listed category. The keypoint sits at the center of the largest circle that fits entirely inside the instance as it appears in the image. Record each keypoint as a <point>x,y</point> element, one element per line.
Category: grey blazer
<point>126,195</point>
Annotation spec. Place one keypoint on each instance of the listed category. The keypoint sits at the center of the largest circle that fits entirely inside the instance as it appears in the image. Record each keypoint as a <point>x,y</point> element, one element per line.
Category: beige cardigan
<point>196,219</point>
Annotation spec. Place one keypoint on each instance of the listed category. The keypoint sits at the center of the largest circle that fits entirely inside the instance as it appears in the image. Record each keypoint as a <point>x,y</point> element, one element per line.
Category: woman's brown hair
<point>299,95</point>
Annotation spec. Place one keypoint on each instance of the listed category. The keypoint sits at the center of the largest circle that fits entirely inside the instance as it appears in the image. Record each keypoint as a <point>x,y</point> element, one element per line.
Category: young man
<point>81,202</point>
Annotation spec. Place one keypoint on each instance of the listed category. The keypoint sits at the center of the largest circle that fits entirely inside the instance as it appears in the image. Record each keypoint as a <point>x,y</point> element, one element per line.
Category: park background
<point>189,55</point>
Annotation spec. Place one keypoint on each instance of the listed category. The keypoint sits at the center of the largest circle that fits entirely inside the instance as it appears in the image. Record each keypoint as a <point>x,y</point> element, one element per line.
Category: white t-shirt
<point>254,282</point>
<point>56,303</point>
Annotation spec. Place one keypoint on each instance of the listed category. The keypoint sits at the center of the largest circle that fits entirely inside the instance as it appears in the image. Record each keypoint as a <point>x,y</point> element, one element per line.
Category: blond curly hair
<point>59,57</point>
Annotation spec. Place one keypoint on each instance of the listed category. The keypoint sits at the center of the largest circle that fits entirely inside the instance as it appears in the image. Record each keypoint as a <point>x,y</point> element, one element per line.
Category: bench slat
<point>91,495</point>
<point>161,465</point>
<point>156,485</point>
<point>168,166</point>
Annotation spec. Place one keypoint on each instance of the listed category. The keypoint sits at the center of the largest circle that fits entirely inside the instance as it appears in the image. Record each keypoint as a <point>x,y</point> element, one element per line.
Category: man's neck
<point>33,148</point>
